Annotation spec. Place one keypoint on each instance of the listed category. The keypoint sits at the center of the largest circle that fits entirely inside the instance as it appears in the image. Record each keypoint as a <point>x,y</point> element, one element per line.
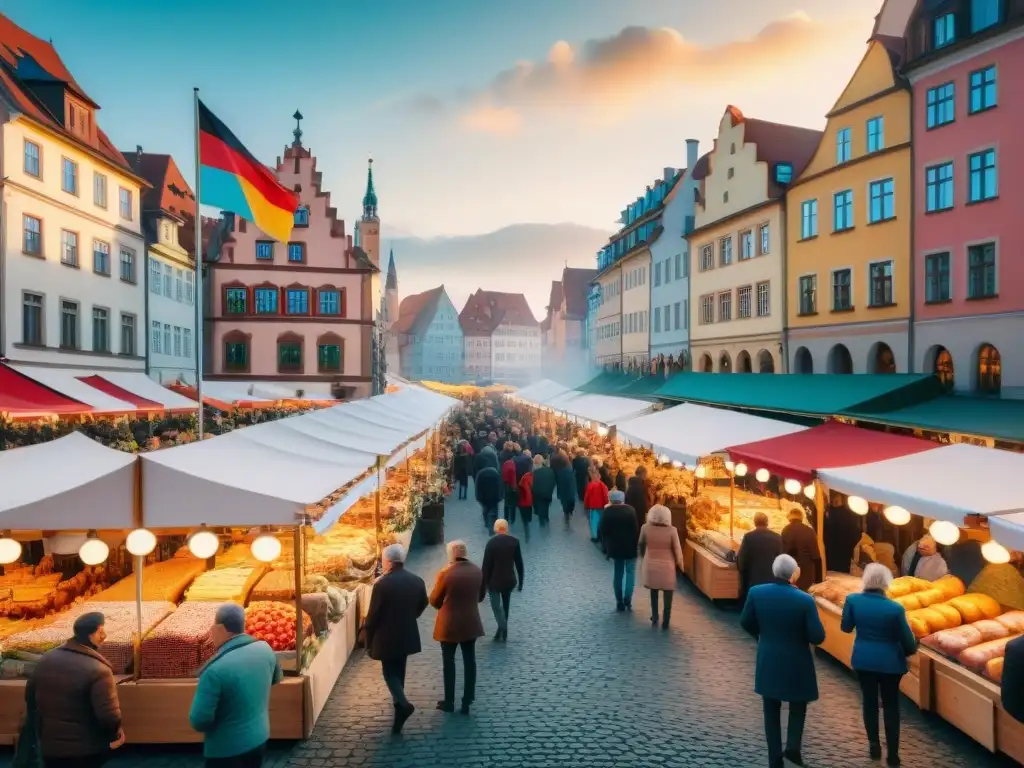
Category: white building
<point>168,211</point>
<point>72,240</point>
<point>670,272</point>
<point>502,338</point>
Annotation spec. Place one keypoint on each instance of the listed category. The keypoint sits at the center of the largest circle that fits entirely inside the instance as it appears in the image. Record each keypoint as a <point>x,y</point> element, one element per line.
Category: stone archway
<point>765,362</point>
<point>706,366</point>
<point>840,360</point>
<point>724,362</point>
<point>743,362</point>
<point>989,370</point>
<point>802,361</point>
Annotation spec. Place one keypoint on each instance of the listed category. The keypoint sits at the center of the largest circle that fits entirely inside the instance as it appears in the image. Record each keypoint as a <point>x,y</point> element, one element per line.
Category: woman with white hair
<point>880,650</point>
<point>785,622</point>
<point>662,555</point>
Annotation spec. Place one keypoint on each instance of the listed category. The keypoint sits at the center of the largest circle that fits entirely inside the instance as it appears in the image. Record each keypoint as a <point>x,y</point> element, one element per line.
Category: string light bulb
<point>944,532</point>
<point>266,548</point>
<point>995,552</point>
<point>203,544</point>
<point>762,475</point>
<point>810,492</point>
<point>140,542</point>
<point>741,470</point>
<point>10,549</point>
<point>93,550</point>
<point>792,487</point>
<point>857,504</point>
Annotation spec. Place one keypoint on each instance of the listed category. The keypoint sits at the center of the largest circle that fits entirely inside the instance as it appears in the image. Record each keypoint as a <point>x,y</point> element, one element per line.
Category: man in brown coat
<point>758,551</point>
<point>456,596</point>
<point>76,700</point>
<point>800,542</point>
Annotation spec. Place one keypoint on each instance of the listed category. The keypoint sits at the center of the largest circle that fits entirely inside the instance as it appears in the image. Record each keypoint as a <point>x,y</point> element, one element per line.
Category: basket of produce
<point>274,623</point>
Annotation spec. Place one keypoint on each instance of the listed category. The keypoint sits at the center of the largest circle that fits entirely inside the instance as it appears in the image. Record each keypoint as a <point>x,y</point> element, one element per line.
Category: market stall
<point>597,410</point>
<point>539,392</point>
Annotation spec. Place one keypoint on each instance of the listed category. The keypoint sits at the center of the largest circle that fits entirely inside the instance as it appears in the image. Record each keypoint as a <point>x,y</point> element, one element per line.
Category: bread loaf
<point>950,585</point>
<point>929,597</point>
<point>974,607</point>
<point>994,669</point>
<point>909,602</point>
<point>977,657</point>
<point>954,641</point>
<point>906,585</point>
<point>1013,621</point>
<point>926,621</point>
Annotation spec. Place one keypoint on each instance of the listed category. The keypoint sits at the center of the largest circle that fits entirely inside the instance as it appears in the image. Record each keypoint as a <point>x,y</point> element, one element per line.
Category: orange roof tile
<point>486,310</point>
<point>416,307</point>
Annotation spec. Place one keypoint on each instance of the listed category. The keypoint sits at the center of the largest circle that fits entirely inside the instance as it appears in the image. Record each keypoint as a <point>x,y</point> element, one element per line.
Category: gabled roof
<point>486,310</point>
<point>170,192</point>
<point>575,290</point>
<point>417,307</point>
<point>555,298</point>
<point>26,62</point>
<point>777,143</point>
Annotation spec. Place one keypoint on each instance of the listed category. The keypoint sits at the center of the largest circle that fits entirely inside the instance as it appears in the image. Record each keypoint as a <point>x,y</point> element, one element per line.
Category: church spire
<point>392,281</point>
<point>370,198</point>
<point>297,133</point>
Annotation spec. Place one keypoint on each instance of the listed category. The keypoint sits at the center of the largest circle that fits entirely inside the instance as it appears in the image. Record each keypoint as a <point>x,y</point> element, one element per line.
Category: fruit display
<point>180,644</point>
<point>231,583</point>
<point>274,622</point>
<point>160,581</point>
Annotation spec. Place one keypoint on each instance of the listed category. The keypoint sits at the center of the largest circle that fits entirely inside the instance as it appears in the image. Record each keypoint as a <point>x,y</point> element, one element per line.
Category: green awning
<point>976,416</point>
<point>820,394</point>
<point>623,385</point>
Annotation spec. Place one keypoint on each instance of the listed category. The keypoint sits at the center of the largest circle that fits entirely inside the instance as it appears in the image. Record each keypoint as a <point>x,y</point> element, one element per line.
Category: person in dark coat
<point>543,489</point>
<point>880,650</point>
<point>842,532</point>
<point>73,687</point>
<point>785,623</point>
<point>758,551</point>
<point>462,465</point>
<point>524,464</point>
<point>606,476</point>
<point>581,469</point>
<point>398,599</point>
<point>502,572</point>
<point>565,484</point>
<point>800,542</point>
<point>485,457</point>
<point>543,447</point>
<point>620,481</point>
<point>489,493</point>
<point>456,596</point>
<point>1012,685</point>
<point>619,532</point>
<point>636,497</point>
<point>507,452</point>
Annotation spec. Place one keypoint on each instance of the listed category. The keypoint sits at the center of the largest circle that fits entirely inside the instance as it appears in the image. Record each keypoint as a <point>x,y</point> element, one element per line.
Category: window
<point>32,164</point>
<point>330,302</point>
<point>128,265</point>
<point>676,310</point>
<point>707,310</point>
<point>190,286</point>
<point>945,30</point>
<point>68,248</point>
<point>657,274</point>
<point>746,245</point>
<point>69,325</point>
<point>983,175</point>
<point>883,203</point>
<point>725,306</point>
<point>33,243</point>
<point>764,306</point>
<point>936,278</point>
<point>657,320</point>
<point>289,355</point>
<point>154,276</point>
<point>32,319</point>
<point>155,343</point>
<point>842,296</point>
<point>940,105</point>
<point>186,342</point>
<point>765,233</point>
<point>235,300</point>
<point>876,134</point>
<point>725,251</point>
<point>668,269</point>
<point>743,299</point>
<point>265,250</point>
<point>266,301</point>
<point>983,90</point>
<point>296,251</point>
<point>679,265</point>
<point>177,341</point>
<point>938,182</point>
<point>99,189</point>
<point>880,278</point>
<point>179,293</point>
<point>783,173</point>
<point>981,271</point>
<point>302,217</point>
<point>328,357</point>
<point>100,257</point>
<point>236,355</point>
<point>843,145</point>
<point>707,257</point>
<point>167,339</point>
<point>168,281</point>
<point>127,334</point>
<point>842,211</point>
<point>100,330</point>
<point>298,301</point>
<point>125,207</point>
<point>984,14</point>
<point>808,294</point>
<point>69,176</point>
<point>808,219</point>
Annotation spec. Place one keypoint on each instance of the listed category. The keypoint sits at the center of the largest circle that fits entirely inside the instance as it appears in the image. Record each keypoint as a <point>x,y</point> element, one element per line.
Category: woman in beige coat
<point>662,555</point>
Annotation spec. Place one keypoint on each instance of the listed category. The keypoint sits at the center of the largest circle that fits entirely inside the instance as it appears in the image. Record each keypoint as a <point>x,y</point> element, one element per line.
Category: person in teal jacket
<point>785,623</point>
<point>880,650</point>
<point>231,705</point>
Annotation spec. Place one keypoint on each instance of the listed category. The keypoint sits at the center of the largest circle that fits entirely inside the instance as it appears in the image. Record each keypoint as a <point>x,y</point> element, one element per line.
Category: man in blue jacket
<point>785,623</point>
<point>231,705</point>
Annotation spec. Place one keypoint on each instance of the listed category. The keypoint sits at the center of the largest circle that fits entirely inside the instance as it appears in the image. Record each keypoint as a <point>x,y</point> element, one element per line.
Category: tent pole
<point>140,563</point>
<point>297,556</point>
<point>732,489</point>
<point>819,503</point>
<point>376,509</point>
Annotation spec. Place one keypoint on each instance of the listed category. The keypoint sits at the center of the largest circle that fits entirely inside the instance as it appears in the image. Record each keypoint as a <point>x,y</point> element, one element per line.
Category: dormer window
<point>78,119</point>
<point>945,30</point>
<point>985,14</point>
<point>783,173</point>
<point>302,217</point>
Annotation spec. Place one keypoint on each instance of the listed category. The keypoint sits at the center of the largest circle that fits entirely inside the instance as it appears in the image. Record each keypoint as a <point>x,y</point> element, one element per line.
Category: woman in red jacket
<point>508,477</point>
<point>595,499</point>
<point>526,501</point>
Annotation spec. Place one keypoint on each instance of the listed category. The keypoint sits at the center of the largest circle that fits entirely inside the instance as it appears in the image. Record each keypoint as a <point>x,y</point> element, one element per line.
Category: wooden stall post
<point>140,563</point>
<point>376,509</point>
<point>297,556</point>
<point>732,490</point>
<point>819,504</point>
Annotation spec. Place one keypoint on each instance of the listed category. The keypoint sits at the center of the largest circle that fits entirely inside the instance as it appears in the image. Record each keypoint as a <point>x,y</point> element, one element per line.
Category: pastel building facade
<point>503,326</point>
<point>848,227</point>
<point>568,344</point>
<point>962,60</point>
<point>430,341</point>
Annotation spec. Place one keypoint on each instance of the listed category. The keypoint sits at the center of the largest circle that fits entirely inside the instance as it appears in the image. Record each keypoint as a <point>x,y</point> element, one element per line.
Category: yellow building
<point>737,267</point>
<point>848,224</point>
<point>636,307</point>
<point>608,332</point>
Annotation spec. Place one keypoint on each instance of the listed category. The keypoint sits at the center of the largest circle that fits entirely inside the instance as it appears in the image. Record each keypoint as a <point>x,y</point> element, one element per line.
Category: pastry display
<point>232,583</point>
<point>180,644</point>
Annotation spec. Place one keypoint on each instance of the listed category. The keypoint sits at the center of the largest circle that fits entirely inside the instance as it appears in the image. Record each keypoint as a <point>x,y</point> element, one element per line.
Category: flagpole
<point>200,326</point>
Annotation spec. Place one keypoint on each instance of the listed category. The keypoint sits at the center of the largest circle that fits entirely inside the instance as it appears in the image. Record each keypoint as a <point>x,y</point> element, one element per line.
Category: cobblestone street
<point>581,685</point>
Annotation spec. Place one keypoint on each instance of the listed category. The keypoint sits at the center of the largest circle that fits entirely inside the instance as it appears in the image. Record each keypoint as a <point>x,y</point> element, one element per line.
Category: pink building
<point>301,313</point>
<point>963,60</point>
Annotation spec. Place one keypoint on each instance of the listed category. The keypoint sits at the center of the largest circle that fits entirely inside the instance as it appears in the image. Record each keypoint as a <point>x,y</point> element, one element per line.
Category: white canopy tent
<point>1008,530</point>
<point>688,432</point>
<point>947,483</point>
<point>539,392</point>
<point>68,483</point>
<point>141,385</point>
<point>232,392</point>
<point>556,402</point>
<point>603,409</point>
<point>65,381</point>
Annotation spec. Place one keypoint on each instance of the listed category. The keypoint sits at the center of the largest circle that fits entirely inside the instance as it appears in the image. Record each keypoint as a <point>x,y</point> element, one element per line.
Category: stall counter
<point>713,576</point>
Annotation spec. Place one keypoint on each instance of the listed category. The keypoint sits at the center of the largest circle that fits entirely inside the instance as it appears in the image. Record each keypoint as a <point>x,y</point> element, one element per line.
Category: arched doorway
<point>765,362</point>
<point>942,367</point>
<point>802,361</point>
<point>839,360</point>
<point>743,362</point>
<point>990,370</point>
<point>881,359</point>
<point>724,363</point>
<point>706,365</point>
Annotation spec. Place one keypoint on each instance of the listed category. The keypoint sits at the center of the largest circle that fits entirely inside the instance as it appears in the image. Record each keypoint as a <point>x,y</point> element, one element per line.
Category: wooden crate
<point>713,577</point>
<point>838,644</point>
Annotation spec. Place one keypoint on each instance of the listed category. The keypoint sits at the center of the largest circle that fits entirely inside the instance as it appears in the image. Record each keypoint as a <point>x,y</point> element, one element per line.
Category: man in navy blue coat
<point>785,623</point>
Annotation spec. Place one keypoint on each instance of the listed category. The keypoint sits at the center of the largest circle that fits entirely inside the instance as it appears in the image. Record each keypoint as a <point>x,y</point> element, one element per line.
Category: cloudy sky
<point>478,114</point>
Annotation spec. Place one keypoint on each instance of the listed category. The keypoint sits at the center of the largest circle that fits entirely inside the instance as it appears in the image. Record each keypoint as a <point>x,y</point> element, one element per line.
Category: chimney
<point>691,152</point>
<point>669,173</point>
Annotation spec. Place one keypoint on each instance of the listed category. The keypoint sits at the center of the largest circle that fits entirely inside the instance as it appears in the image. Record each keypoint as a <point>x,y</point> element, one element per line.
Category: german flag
<point>233,180</point>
